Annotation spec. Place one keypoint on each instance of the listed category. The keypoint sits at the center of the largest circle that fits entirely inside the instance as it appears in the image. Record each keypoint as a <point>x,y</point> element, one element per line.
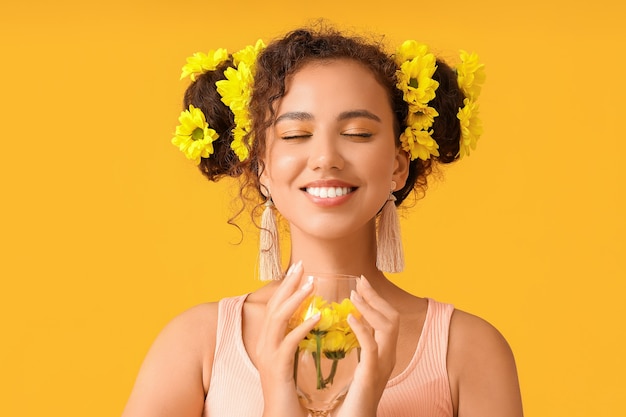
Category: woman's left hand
<point>377,333</point>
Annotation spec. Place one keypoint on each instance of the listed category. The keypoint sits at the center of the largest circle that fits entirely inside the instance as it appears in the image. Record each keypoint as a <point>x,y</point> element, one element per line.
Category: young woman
<point>333,130</point>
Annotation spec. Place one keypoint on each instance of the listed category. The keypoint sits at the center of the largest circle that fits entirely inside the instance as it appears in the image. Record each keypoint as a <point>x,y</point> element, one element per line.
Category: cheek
<point>282,167</point>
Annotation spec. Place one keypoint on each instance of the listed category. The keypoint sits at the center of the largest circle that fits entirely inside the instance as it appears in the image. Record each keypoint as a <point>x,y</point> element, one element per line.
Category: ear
<point>401,171</point>
<point>264,182</point>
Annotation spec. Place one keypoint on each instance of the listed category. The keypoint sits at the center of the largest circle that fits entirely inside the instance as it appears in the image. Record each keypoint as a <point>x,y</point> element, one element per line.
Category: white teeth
<point>328,192</point>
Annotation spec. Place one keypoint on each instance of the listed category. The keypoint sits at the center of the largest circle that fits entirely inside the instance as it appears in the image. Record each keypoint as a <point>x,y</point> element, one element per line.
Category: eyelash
<point>360,135</point>
<point>289,137</point>
<point>357,135</point>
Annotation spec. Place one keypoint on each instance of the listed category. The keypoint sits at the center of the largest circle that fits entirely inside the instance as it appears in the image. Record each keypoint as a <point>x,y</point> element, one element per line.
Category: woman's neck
<point>353,255</point>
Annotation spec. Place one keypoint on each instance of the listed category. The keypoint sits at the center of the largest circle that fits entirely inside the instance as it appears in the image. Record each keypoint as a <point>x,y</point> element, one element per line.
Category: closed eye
<point>359,135</point>
<point>291,136</point>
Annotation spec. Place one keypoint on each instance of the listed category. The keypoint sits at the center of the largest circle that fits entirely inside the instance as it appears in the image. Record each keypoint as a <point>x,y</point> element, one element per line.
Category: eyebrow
<point>351,114</point>
<point>356,114</point>
<point>294,115</point>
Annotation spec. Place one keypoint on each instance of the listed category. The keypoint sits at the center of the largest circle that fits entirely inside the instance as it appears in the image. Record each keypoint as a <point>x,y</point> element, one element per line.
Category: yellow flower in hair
<point>194,137</point>
<point>409,50</point>
<point>416,82</point>
<point>200,63</point>
<point>249,54</point>
<point>232,88</point>
<point>236,91</point>
<point>470,75</point>
<point>471,126</point>
<point>422,118</point>
<point>419,143</point>
<point>238,145</point>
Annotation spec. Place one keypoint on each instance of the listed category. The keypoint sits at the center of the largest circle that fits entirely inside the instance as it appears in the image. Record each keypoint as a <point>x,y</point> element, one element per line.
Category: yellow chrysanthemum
<point>337,344</point>
<point>238,144</point>
<point>416,82</point>
<point>471,126</point>
<point>419,143</point>
<point>194,137</point>
<point>409,50</point>
<point>422,118</point>
<point>236,91</point>
<point>333,320</point>
<point>308,345</point>
<point>332,337</point>
<point>249,53</point>
<point>470,75</point>
<point>199,63</point>
<point>232,89</point>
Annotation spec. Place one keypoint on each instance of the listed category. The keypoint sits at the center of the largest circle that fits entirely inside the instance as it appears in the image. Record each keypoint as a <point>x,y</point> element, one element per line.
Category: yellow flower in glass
<point>331,337</point>
<point>199,63</point>
<point>194,137</point>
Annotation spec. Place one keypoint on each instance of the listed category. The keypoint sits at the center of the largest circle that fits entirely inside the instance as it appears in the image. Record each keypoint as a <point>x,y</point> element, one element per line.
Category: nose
<point>325,153</point>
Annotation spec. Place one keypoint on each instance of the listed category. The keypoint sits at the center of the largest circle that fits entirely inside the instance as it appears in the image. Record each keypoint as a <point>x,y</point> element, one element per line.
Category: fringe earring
<point>389,253</point>
<point>269,247</point>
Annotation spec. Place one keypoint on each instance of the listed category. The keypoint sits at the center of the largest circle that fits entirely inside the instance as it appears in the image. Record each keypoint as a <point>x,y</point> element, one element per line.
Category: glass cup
<point>326,359</point>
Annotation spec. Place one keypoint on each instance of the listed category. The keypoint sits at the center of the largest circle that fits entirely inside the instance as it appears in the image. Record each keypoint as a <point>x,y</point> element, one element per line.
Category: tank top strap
<point>423,388</point>
<point>436,332</point>
<point>233,375</point>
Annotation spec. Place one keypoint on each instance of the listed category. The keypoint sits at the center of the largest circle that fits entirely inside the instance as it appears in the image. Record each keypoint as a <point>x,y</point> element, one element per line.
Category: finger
<point>365,289</point>
<point>385,325</point>
<point>294,337</point>
<point>378,319</point>
<point>290,305</point>
<point>368,362</point>
<point>288,286</point>
<point>277,321</point>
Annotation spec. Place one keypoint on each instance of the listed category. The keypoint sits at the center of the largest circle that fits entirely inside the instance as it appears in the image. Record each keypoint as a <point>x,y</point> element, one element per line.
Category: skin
<point>334,127</point>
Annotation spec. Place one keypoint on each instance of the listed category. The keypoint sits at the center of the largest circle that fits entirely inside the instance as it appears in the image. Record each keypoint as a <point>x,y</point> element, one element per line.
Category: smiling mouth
<point>329,192</point>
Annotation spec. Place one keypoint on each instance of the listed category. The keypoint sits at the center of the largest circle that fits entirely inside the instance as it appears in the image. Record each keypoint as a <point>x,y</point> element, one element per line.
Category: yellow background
<point>107,232</point>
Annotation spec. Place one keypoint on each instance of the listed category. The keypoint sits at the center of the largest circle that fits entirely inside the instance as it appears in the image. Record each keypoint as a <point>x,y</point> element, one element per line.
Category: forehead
<point>326,85</point>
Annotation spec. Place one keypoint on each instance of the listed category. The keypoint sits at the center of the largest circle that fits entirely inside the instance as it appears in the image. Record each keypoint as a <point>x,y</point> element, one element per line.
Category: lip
<point>328,183</point>
<point>329,201</point>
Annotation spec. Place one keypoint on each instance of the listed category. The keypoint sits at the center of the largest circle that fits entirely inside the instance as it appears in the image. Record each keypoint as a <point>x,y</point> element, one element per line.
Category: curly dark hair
<point>284,57</point>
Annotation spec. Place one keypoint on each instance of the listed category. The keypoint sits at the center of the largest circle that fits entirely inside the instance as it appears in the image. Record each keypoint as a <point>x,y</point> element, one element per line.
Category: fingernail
<point>307,285</point>
<point>365,282</point>
<point>290,269</point>
<point>354,296</point>
<point>297,266</point>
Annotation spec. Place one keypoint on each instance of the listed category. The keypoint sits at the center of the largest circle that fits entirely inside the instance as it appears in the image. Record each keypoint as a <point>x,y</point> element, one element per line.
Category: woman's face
<point>331,155</point>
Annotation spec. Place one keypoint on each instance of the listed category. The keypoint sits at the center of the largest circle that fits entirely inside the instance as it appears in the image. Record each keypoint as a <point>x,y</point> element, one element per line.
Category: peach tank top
<point>422,389</point>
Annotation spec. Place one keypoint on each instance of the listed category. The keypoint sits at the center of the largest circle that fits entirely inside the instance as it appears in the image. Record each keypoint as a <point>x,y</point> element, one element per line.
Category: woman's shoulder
<point>465,325</point>
<point>481,363</point>
<point>201,316</point>
<point>180,356</point>
<point>472,339</point>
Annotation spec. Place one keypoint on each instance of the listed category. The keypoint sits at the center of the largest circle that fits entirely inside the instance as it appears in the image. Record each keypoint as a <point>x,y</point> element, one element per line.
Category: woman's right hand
<point>377,332</point>
<point>276,346</point>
